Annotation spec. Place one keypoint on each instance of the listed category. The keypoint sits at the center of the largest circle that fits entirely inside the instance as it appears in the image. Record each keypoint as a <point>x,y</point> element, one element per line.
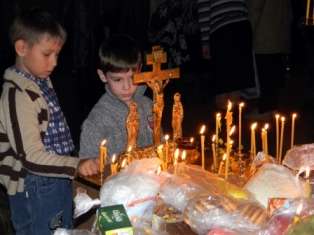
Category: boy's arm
<point>24,132</point>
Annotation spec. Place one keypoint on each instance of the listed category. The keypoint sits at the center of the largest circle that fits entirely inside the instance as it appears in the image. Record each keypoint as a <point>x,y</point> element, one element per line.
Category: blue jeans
<point>44,206</point>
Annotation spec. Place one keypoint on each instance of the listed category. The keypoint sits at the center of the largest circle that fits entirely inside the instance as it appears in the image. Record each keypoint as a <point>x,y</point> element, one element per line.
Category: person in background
<point>120,58</point>
<point>35,166</point>
<point>271,24</point>
<point>226,38</point>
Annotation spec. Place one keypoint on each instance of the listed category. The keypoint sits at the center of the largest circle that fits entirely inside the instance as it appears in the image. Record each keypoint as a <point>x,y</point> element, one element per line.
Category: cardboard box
<point>113,220</point>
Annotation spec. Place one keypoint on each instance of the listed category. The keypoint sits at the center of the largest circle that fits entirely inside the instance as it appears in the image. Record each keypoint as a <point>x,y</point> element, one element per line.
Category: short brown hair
<point>34,24</point>
<point>120,53</point>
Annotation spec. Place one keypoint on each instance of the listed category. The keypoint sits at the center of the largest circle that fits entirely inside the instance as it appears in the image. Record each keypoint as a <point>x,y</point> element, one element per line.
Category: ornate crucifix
<point>157,79</point>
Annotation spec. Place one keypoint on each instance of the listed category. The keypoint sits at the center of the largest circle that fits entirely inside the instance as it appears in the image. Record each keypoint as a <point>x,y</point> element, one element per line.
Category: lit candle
<point>240,124</point>
<point>266,144</point>
<point>277,137</point>
<point>228,122</point>
<point>161,157</point>
<point>202,146</point>
<point>307,13</point>
<point>128,155</point>
<point>263,139</point>
<point>297,214</point>
<point>102,156</point>
<point>167,147</point>
<point>281,138</point>
<point>307,183</point>
<point>214,152</point>
<point>218,125</point>
<point>176,154</point>
<point>253,138</point>
<point>183,159</point>
<point>113,165</point>
<point>292,129</point>
<point>123,164</point>
<point>221,164</point>
<point>158,170</point>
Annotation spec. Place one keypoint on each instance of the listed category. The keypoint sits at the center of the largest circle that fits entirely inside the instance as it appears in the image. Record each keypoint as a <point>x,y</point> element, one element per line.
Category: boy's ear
<point>20,47</point>
<point>101,75</point>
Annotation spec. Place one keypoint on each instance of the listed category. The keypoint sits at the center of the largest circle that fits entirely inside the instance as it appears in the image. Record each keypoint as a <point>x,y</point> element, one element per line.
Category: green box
<point>113,220</point>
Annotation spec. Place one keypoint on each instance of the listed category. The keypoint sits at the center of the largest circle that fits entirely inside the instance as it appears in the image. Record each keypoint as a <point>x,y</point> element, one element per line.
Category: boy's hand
<point>88,167</point>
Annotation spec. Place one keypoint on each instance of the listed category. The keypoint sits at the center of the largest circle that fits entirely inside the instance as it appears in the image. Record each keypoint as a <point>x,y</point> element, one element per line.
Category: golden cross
<point>155,59</point>
<point>154,79</point>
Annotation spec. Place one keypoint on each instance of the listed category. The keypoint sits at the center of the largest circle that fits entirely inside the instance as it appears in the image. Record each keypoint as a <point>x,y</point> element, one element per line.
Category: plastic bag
<point>299,156</point>
<point>273,181</point>
<point>62,231</point>
<point>83,202</point>
<point>206,212</point>
<point>136,187</point>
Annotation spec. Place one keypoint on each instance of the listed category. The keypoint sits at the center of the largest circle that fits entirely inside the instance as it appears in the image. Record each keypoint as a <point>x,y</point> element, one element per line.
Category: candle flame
<point>253,126</point>
<point>214,138</point>
<point>294,115</point>
<point>299,209</point>
<point>307,172</point>
<point>129,149</point>
<point>183,155</point>
<point>160,147</point>
<point>266,127</point>
<point>218,115</point>
<point>158,170</point>
<point>224,157</point>
<point>123,163</point>
<point>176,153</point>
<point>232,130</point>
<point>229,105</point>
<point>113,159</point>
<point>192,139</point>
<point>277,116</point>
<point>231,141</point>
<point>103,142</point>
<point>241,105</point>
<point>166,137</point>
<point>283,119</point>
<point>202,130</point>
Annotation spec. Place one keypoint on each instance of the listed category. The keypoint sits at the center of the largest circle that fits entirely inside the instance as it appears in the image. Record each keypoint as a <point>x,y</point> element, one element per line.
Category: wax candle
<point>158,170</point>
<point>214,152</point>
<point>277,137</point>
<point>113,165</point>
<point>176,154</point>
<point>266,144</point>
<point>123,164</point>
<point>253,138</point>
<point>307,12</point>
<point>102,156</point>
<point>222,164</point>
<point>161,157</point>
<point>183,157</point>
<point>202,146</point>
<point>218,125</point>
<point>297,214</point>
<point>128,155</point>
<point>167,148</point>
<point>292,129</point>
<point>240,125</point>
<point>281,138</point>
<point>307,183</point>
<point>228,123</point>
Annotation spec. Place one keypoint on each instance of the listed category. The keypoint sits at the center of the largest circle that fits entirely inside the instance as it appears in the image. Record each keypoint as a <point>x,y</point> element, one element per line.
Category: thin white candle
<point>176,154</point>
<point>292,129</point>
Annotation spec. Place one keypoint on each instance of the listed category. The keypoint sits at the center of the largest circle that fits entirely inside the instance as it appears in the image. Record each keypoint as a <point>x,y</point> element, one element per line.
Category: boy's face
<point>39,60</point>
<point>120,84</point>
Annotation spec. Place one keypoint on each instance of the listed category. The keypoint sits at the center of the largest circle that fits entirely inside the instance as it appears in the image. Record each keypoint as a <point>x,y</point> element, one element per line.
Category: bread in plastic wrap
<point>273,181</point>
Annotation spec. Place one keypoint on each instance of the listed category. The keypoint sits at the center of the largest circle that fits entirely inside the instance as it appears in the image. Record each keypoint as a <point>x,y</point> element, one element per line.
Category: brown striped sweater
<point>24,119</point>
